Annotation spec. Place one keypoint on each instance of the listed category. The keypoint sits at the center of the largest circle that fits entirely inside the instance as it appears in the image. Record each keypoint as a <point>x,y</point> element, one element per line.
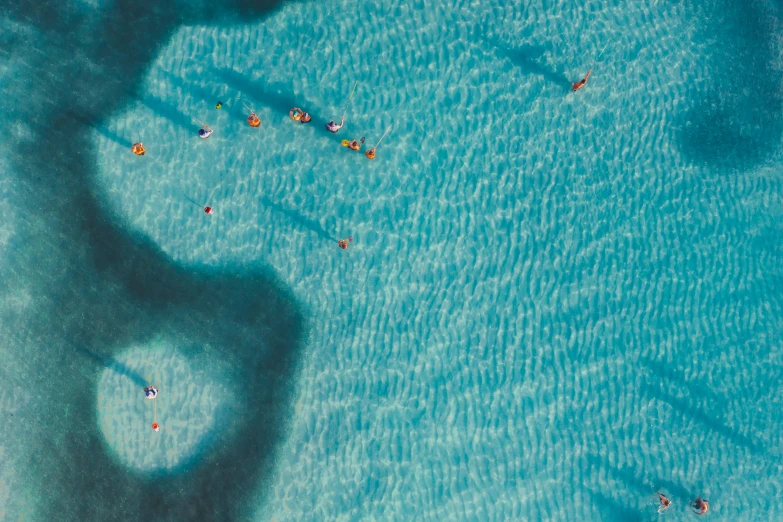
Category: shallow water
<point>554,304</point>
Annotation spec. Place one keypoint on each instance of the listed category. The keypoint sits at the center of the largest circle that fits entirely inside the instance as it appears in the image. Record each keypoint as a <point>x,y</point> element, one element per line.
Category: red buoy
<point>208,210</point>
<point>155,426</point>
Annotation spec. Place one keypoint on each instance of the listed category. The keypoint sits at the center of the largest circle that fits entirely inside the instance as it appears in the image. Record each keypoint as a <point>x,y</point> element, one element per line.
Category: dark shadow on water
<point>103,130</point>
<point>276,97</point>
<point>172,113</point>
<point>529,60</point>
<point>613,510</point>
<point>298,219</point>
<point>99,289</point>
<point>658,386</point>
<point>735,120</point>
<point>237,111</point>
<point>116,366</point>
<point>638,481</point>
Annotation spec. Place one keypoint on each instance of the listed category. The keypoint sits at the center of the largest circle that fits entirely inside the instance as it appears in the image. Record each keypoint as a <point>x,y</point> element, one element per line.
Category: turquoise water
<point>554,304</point>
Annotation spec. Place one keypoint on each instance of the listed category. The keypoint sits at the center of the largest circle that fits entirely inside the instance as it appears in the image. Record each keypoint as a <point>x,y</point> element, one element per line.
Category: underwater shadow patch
<point>100,289</point>
<point>736,121</point>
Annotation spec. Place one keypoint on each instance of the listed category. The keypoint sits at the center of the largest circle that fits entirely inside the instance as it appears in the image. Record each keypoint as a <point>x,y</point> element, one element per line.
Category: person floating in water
<point>665,502</point>
<point>305,118</point>
<point>370,153</point>
<point>343,243</point>
<point>253,120</point>
<point>700,506</point>
<point>581,83</point>
<point>205,132</point>
<point>333,127</point>
<point>296,114</point>
<point>150,392</point>
<point>138,149</point>
<point>219,104</point>
<point>356,145</point>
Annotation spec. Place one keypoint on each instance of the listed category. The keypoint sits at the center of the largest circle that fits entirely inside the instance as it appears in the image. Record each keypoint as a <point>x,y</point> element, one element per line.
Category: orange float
<point>253,120</point>
<point>370,153</point>
<point>296,113</point>
<point>138,149</point>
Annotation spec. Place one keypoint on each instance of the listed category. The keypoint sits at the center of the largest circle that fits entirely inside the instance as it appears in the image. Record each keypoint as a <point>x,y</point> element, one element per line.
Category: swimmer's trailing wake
<point>371,153</point>
<point>207,209</point>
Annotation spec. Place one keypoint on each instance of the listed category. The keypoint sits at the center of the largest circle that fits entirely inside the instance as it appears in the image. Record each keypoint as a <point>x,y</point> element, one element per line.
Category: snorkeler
<point>138,149</point>
<point>581,83</point>
<point>219,104</point>
<point>700,506</point>
<point>333,127</point>
<point>305,118</point>
<point>150,392</point>
<point>356,145</point>
<point>665,502</point>
<point>205,132</point>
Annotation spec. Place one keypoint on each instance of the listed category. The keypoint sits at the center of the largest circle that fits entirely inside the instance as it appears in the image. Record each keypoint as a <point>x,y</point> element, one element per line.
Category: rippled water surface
<point>554,304</point>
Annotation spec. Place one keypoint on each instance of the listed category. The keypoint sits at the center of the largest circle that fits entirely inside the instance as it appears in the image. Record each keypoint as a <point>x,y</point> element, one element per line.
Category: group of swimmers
<point>297,114</point>
<point>699,506</point>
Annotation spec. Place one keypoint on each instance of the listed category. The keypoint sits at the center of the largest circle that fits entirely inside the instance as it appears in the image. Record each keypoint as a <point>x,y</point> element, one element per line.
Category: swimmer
<point>700,506</point>
<point>333,127</point>
<point>305,118</point>
<point>370,153</point>
<point>204,132</point>
<point>253,120</point>
<point>356,145</point>
<point>150,392</point>
<point>343,243</point>
<point>219,104</point>
<point>138,149</point>
<point>665,503</point>
<point>581,83</point>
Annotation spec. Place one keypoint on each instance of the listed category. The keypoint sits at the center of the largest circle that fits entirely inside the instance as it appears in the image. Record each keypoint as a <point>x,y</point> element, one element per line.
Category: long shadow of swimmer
<point>298,219</point>
<point>102,129</point>
<point>658,388</point>
<point>106,289</point>
<point>115,366</point>
<point>170,112</point>
<point>528,59</point>
<point>614,510</point>
<point>637,481</point>
<point>237,110</point>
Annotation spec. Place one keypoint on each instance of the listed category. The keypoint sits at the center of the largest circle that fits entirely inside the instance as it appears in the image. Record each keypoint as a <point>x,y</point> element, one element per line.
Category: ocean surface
<point>553,304</point>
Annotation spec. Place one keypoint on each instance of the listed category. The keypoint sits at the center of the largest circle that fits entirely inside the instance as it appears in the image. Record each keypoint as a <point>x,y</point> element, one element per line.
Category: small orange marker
<point>155,426</point>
